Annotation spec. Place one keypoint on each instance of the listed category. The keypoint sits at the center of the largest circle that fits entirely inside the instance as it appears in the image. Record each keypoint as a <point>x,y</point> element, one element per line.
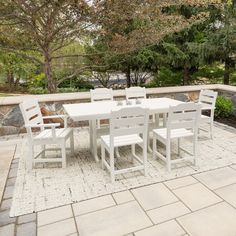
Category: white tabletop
<point>102,109</point>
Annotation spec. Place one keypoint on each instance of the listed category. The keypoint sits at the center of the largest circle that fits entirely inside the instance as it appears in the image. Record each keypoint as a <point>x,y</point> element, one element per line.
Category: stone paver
<point>6,204</point>
<point>26,218</point>
<point>53,215</point>
<point>153,196</point>
<point>168,212</point>
<point>180,182</point>
<point>116,221</point>
<point>7,230</point>
<point>11,181</point>
<point>196,196</point>
<point>217,178</point>
<point>6,154</point>
<point>60,228</point>
<point>5,219</point>
<point>138,209</point>
<point>28,229</point>
<point>217,220</point>
<point>170,228</point>
<point>122,197</point>
<point>93,205</point>
<point>8,192</point>
<point>12,173</point>
<point>228,193</point>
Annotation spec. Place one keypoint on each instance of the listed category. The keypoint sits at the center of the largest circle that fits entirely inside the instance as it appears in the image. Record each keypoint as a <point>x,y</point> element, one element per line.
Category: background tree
<point>47,27</point>
<point>221,39</point>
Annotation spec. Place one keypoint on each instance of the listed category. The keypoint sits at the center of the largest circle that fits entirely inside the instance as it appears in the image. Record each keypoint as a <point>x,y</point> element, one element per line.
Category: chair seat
<point>123,140</point>
<point>47,134</point>
<point>175,133</point>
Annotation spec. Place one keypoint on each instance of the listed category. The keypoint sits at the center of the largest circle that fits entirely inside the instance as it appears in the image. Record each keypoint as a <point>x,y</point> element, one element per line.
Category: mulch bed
<point>231,121</point>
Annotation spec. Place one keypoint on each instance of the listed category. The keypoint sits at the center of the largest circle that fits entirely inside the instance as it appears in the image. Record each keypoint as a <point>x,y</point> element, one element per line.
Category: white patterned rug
<point>49,186</point>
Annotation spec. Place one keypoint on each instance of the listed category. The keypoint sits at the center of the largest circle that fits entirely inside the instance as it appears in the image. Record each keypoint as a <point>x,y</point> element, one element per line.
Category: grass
<point>7,94</point>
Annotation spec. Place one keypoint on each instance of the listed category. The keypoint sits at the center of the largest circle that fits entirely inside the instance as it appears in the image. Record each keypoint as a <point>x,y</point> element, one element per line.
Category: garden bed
<point>231,121</point>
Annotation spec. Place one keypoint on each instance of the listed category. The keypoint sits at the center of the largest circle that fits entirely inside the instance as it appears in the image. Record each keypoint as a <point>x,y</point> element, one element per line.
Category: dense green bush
<point>37,90</point>
<point>166,77</point>
<point>224,107</point>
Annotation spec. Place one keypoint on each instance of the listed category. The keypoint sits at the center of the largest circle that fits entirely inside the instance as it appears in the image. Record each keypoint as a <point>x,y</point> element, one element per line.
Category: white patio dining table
<point>101,110</point>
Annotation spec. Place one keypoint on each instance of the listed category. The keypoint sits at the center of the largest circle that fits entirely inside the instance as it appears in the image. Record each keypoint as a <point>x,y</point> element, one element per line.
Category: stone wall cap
<point>14,100</point>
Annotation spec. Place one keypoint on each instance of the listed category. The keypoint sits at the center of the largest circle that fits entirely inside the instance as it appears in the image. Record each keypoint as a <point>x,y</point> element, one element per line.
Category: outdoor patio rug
<point>50,186</point>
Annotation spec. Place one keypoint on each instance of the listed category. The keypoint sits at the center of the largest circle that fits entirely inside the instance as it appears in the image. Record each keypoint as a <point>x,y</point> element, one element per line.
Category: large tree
<point>128,27</point>
<point>45,26</point>
<point>221,41</point>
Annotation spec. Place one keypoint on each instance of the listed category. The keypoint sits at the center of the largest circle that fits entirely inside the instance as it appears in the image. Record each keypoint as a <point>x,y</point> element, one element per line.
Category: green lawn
<point>7,94</point>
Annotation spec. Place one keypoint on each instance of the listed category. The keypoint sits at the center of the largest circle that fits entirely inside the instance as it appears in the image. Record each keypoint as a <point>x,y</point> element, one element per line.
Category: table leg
<point>91,136</point>
<point>93,139</point>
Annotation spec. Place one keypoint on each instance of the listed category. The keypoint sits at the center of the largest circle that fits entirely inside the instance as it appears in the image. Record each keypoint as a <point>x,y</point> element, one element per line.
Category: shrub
<point>224,107</point>
<point>37,90</point>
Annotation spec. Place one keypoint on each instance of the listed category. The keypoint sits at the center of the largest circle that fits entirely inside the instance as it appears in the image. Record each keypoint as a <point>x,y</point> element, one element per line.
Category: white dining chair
<point>128,127</point>
<point>140,93</point>
<point>49,134</point>
<point>101,94</point>
<point>97,95</point>
<point>207,99</point>
<point>135,92</point>
<point>183,121</point>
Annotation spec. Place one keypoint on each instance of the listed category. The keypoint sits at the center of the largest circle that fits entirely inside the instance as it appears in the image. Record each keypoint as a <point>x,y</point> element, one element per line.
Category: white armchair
<point>49,134</point>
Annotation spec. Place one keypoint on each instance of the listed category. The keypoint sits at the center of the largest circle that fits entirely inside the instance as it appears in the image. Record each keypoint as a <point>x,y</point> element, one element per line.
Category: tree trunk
<point>186,78</point>
<point>51,84</point>
<point>227,71</point>
<point>128,77</point>
<point>10,80</point>
<point>16,83</point>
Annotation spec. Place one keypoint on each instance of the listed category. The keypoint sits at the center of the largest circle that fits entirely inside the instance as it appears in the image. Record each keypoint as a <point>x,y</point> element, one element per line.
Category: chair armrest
<point>51,125</point>
<point>55,116</point>
<point>64,117</point>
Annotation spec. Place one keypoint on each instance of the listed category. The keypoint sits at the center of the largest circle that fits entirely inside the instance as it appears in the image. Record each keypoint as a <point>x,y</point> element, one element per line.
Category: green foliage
<point>39,90</point>
<point>166,77</point>
<point>77,83</point>
<point>36,81</point>
<point>224,107</point>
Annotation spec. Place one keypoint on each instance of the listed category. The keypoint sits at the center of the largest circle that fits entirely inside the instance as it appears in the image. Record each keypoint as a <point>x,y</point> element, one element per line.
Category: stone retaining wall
<point>11,121</point>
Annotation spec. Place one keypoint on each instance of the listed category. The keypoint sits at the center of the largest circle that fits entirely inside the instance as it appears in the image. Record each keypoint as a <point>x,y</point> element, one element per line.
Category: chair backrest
<point>135,92</point>
<point>208,97</point>
<point>186,115</point>
<point>101,94</point>
<point>129,120</point>
<point>31,112</point>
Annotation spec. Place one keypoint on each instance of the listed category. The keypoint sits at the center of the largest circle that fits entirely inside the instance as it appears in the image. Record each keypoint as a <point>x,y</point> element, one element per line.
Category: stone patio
<point>197,204</point>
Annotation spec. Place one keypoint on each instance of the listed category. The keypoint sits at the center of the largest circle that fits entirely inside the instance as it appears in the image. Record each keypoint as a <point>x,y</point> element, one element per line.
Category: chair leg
<point>72,146</point>
<point>154,146</point>
<point>133,152</point>
<point>112,166</point>
<point>117,152</point>
<point>164,119</point>
<point>103,155</point>
<point>148,141</point>
<point>63,153</point>
<point>211,129</point>
<point>43,151</point>
<point>178,146</point>
<point>168,157</point>
<point>157,120</point>
<point>30,157</point>
<point>145,159</point>
<point>195,150</point>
